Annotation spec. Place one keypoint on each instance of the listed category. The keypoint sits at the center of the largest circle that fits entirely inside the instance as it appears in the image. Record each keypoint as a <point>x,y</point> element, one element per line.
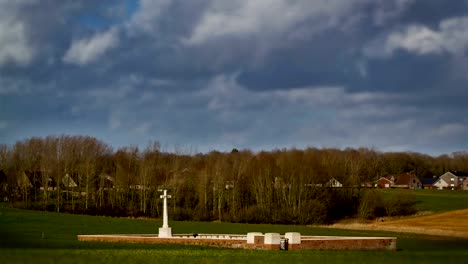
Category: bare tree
<point>148,168</point>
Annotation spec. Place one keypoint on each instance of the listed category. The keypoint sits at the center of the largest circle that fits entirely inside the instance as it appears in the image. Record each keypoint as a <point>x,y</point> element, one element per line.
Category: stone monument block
<point>272,239</point>
<point>165,232</point>
<point>293,237</point>
<point>251,237</point>
<point>259,240</point>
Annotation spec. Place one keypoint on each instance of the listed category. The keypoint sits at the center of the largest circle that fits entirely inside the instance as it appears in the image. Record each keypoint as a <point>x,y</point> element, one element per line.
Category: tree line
<point>278,186</point>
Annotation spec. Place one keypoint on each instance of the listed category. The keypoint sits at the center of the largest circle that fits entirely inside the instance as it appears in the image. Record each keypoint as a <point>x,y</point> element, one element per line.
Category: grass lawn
<point>435,200</point>
<point>44,237</point>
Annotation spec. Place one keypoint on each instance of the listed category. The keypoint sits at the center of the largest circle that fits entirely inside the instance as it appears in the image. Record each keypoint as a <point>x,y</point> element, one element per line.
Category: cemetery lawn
<point>44,237</point>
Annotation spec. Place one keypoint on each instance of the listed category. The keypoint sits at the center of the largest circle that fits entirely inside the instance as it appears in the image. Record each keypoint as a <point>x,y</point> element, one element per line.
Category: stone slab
<point>251,237</point>
<point>293,237</point>
<point>165,232</point>
<point>272,239</point>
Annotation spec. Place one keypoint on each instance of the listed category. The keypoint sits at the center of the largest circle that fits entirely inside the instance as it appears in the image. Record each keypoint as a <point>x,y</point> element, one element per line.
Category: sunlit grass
<point>435,200</point>
<point>45,237</point>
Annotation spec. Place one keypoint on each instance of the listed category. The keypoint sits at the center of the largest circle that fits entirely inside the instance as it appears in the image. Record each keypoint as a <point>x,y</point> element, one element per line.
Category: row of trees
<point>281,186</point>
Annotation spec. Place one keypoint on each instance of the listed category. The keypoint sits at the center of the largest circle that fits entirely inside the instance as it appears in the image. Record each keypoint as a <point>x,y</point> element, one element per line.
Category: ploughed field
<point>45,237</point>
<point>442,213</point>
<point>454,224</point>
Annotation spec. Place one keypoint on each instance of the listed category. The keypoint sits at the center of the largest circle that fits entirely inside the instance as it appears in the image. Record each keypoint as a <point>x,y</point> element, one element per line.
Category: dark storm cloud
<point>245,74</point>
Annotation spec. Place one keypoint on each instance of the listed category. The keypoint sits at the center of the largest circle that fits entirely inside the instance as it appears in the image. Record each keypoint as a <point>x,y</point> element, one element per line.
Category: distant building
<point>465,184</point>
<point>451,180</point>
<point>36,180</point>
<point>68,181</point>
<point>405,181</point>
<point>107,182</point>
<point>333,183</point>
<point>428,183</point>
<point>383,183</point>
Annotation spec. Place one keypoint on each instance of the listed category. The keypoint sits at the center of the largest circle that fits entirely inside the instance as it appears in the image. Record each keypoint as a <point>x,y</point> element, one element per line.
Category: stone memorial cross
<point>165,230</point>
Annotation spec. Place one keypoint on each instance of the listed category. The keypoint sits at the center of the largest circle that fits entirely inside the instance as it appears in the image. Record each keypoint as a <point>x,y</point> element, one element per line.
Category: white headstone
<point>251,237</point>
<point>272,239</point>
<point>165,230</point>
<point>293,237</point>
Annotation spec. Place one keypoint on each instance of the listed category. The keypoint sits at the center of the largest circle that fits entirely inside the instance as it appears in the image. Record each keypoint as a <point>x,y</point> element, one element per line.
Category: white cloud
<point>277,17</point>
<point>418,39</point>
<point>225,93</point>
<point>142,129</point>
<point>455,33</point>
<point>451,37</point>
<point>387,10</point>
<point>312,95</point>
<point>245,17</point>
<point>147,15</point>
<point>450,129</point>
<point>15,45</point>
<point>88,50</point>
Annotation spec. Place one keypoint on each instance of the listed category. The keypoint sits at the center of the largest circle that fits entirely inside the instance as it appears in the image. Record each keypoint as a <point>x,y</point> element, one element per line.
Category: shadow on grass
<point>9,241</point>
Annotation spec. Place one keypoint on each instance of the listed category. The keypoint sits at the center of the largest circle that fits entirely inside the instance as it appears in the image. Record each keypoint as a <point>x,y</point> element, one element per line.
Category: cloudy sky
<point>221,74</point>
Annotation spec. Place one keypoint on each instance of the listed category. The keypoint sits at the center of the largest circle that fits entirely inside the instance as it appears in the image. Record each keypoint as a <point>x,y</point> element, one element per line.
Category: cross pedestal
<point>165,230</point>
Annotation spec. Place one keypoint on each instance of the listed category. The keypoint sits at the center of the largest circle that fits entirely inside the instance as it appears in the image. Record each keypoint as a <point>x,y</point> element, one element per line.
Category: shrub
<point>182,214</point>
<point>314,212</point>
<point>400,203</point>
<point>253,215</point>
<point>201,214</point>
<point>371,205</point>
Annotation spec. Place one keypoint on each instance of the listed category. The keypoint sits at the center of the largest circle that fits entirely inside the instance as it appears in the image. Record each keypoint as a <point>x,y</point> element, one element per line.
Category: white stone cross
<point>165,196</point>
<point>165,230</point>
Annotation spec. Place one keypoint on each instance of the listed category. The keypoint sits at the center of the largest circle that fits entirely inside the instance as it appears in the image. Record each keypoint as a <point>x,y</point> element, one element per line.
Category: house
<point>333,183</point>
<point>441,184</point>
<point>68,182</point>
<point>106,182</point>
<point>229,185</point>
<point>27,180</point>
<point>51,184</point>
<point>405,181</point>
<point>35,179</point>
<point>428,183</point>
<point>465,184</point>
<point>462,176</point>
<point>451,180</point>
<point>383,183</point>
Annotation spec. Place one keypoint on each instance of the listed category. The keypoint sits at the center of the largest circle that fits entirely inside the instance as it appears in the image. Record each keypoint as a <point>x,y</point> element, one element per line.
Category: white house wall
<point>440,184</point>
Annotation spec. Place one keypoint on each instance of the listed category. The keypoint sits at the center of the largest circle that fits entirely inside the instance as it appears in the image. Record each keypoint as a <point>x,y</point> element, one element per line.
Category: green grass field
<point>44,237</point>
<point>435,200</point>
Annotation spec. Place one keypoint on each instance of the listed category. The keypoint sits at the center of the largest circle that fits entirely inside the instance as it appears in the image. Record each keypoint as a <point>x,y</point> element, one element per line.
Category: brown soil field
<point>453,224</point>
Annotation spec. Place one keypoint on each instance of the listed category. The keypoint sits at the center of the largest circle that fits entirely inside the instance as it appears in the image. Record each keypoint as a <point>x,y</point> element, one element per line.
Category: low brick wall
<point>223,243</point>
<point>346,243</point>
<point>238,241</point>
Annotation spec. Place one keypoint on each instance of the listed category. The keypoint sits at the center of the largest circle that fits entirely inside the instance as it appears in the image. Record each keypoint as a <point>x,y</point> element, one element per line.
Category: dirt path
<point>453,224</point>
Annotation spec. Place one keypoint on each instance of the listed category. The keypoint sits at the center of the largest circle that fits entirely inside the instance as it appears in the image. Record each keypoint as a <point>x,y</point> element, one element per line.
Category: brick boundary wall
<point>237,241</point>
<point>377,243</point>
<point>223,243</point>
